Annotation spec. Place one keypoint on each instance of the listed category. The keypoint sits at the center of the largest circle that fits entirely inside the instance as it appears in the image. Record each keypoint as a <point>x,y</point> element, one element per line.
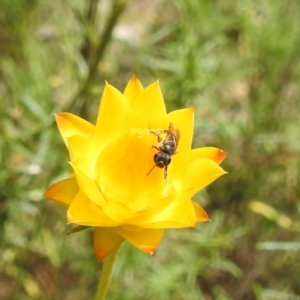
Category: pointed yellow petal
<point>197,175</point>
<point>133,89</point>
<point>175,216</point>
<point>105,241</point>
<point>118,212</point>
<point>113,107</point>
<point>183,119</point>
<point>83,211</point>
<point>183,214</point>
<point>78,146</point>
<point>63,192</point>
<point>83,154</point>
<point>147,109</point>
<point>201,215</point>
<point>70,125</point>
<point>144,239</point>
<point>215,154</point>
<point>88,186</point>
<point>181,160</point>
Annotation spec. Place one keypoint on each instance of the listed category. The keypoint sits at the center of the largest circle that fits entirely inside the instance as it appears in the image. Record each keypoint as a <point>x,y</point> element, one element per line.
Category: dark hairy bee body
<point>167,147</point>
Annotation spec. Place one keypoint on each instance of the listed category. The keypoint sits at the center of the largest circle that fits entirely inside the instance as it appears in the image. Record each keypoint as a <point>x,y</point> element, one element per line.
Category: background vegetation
<point>237,62</point>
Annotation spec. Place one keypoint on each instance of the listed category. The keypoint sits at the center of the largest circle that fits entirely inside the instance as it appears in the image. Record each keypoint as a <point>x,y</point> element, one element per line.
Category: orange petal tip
<point>48,194</point>
<point>60,116</point>
<point>148,249</point>
<point>220,155</point>
<point>100,255</point>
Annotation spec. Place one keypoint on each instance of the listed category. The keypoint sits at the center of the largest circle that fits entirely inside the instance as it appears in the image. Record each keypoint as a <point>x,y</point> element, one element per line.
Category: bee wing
<point>175,132</point>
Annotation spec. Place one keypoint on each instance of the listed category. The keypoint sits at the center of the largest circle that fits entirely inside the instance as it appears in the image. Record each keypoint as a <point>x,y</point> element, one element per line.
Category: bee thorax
<point>168,147</point>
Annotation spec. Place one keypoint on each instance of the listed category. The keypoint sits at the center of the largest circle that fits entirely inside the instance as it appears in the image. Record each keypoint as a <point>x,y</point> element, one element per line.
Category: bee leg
<point>158,135</point>
<point>154,132</point>
<point>165,173</point>
<point>156,148</point>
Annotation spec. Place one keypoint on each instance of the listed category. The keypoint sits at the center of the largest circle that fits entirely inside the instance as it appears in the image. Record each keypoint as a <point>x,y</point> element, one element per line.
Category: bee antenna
<point>151,170</point>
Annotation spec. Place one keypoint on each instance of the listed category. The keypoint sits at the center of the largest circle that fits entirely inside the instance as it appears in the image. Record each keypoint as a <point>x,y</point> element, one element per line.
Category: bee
<point>167,147</point>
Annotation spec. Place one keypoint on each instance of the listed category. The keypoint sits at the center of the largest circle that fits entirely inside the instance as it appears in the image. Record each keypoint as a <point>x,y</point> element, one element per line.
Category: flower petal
<point>133,89</point>
<point>113,107</point>
<point>201,215</point>
<point>105,241</point>
<point>63,192</point>
<point>119,212</point>
<point>182,215</point>
<point>79,147</point>
<point>197,175</point>
<point>123,166</point>
<point>183,119</point>
<point>144,239</point>
<point>168,211</point>
<point>83,211</point>
<point>215,154</point>
<point>69,125</point>
<point>88,186</point>
<point>148,110</point>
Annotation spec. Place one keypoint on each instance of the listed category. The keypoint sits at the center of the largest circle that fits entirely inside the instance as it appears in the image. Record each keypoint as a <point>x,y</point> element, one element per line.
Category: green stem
<point>106,275</point>
<point>104,38</point>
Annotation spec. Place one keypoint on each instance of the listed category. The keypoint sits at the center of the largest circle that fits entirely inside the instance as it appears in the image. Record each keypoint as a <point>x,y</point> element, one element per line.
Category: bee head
<point>162,159</point>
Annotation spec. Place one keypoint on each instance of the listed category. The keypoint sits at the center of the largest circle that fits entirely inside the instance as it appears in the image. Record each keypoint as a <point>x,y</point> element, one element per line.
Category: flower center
<point>123,170</point>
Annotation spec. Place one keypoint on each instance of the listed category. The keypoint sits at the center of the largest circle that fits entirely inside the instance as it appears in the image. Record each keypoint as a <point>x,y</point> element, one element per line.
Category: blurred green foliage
<point>236,62</point>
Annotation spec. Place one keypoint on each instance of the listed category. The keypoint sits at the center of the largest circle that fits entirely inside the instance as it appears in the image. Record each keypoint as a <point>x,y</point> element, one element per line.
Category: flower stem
<point>118,7</point>
<point>105,277</point>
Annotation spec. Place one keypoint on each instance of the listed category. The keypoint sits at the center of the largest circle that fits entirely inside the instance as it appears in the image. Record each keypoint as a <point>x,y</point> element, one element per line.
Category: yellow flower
<point>112,189</point>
